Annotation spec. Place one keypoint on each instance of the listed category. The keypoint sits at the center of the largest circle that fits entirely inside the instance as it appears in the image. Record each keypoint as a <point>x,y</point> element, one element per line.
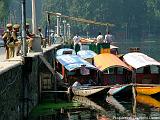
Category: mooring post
<point>134,100</point>
<point>54,77</point>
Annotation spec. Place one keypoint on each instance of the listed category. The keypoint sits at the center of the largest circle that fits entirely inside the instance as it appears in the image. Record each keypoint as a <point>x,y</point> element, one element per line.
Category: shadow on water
<point>106,108</point>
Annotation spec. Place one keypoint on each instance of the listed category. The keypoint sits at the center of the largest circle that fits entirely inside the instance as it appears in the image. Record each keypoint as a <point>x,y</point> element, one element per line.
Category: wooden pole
<point>134,101</point>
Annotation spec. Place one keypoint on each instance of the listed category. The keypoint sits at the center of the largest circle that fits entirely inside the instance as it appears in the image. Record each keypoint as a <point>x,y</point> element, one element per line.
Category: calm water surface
<point>106,107</point>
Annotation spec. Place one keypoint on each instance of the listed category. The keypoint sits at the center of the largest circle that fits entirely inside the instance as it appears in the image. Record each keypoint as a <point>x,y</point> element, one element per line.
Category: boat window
<point>147,70</point>
<point>119,70</point>
<point>67,52</point>
<point>140,70</point>
<point>154,69</point>
<point>109,71</point>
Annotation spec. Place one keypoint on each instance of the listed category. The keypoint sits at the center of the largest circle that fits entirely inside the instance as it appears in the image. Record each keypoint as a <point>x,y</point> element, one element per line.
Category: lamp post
<point>64,32</point>
<point>24,27</point>
<point>34,17</point>
<point>58,23</point>
<point>68,31</point>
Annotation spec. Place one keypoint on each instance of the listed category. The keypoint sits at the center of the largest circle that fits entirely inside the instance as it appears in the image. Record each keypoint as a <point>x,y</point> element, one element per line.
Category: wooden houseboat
<point>146,73</point>
<point>113,71</point>
<point>72,71</point>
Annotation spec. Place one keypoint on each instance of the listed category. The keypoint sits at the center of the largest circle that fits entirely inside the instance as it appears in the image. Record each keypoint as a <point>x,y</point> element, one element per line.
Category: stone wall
<point>10,94</point>
<point>19,86</point>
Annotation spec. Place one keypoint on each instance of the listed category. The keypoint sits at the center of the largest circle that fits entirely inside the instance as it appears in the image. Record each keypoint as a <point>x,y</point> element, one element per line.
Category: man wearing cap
<point>29,37</point>
<point>14,36</point>
<point>6,37</point>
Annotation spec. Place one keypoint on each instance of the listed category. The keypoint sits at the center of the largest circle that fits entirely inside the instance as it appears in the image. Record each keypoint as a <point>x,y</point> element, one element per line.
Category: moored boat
<point>146,71</point>
<point>89,90</point>
<point>74,63</point>
<point>110,66</point>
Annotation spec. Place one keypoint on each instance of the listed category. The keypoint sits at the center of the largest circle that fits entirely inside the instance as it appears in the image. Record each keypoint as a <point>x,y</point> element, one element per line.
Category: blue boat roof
<point>72,62</point>
<point>62,50</point>
<point>86,54</point>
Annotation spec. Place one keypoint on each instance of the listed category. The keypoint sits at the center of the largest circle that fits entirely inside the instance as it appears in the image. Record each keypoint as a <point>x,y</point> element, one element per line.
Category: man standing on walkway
<point>77,44</point>
<point>29,37</point>
<point>100,38</point>
<point>108,38</point>
<point>6,37</point>
<point>15,38</point>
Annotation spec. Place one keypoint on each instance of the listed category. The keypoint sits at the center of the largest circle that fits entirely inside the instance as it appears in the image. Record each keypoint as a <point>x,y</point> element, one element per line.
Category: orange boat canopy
<point>107,60</point>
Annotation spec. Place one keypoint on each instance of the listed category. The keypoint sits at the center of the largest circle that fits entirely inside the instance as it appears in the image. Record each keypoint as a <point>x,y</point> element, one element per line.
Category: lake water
<point>103,108</point>
<point>106,107</point>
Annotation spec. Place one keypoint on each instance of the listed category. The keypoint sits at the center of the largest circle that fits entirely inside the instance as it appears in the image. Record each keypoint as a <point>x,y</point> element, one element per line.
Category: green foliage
<point>138,17</point>
<point>133,14</point>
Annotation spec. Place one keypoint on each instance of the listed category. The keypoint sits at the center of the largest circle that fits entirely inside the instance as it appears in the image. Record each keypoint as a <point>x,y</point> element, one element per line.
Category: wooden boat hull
<point>148,90</point>
<point>117,89</point>
<point>90,90</point>
<point>148,100</point>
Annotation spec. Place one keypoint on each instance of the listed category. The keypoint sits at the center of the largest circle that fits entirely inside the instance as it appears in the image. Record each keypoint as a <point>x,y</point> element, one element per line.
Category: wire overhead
<point>80,19</point>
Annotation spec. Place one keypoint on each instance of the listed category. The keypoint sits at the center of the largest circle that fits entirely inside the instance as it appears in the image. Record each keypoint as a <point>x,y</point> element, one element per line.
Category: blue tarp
<point>60,51</point>
<point>72,62</point>
<point>86,54</point>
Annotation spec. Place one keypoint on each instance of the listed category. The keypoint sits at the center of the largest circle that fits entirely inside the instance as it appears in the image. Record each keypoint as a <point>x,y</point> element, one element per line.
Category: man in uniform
<point>29,37</point>
<point>14,36</point>
<point>6,37</point>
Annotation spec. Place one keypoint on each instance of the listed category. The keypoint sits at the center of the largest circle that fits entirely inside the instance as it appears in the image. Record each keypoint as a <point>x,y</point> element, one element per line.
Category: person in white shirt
<point>76,39</point>
<point>100,38</point>
<point>77,44</point>
<point>108,38</point>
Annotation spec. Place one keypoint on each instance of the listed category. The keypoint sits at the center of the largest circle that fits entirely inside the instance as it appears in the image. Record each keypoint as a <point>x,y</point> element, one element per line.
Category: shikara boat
<point>146,71</point>
<point>73,63</point>
<point>148,100</point>
<point>90,90</point>
<point>107,62</point>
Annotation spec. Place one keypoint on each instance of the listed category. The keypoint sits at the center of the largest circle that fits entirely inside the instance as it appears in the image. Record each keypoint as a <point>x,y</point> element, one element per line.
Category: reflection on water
<point>108,108</point>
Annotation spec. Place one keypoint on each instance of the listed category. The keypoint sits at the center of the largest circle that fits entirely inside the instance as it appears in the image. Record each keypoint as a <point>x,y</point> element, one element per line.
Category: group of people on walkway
<point>12,39</point>
<point>100,39</point>
<point>107,39</point>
